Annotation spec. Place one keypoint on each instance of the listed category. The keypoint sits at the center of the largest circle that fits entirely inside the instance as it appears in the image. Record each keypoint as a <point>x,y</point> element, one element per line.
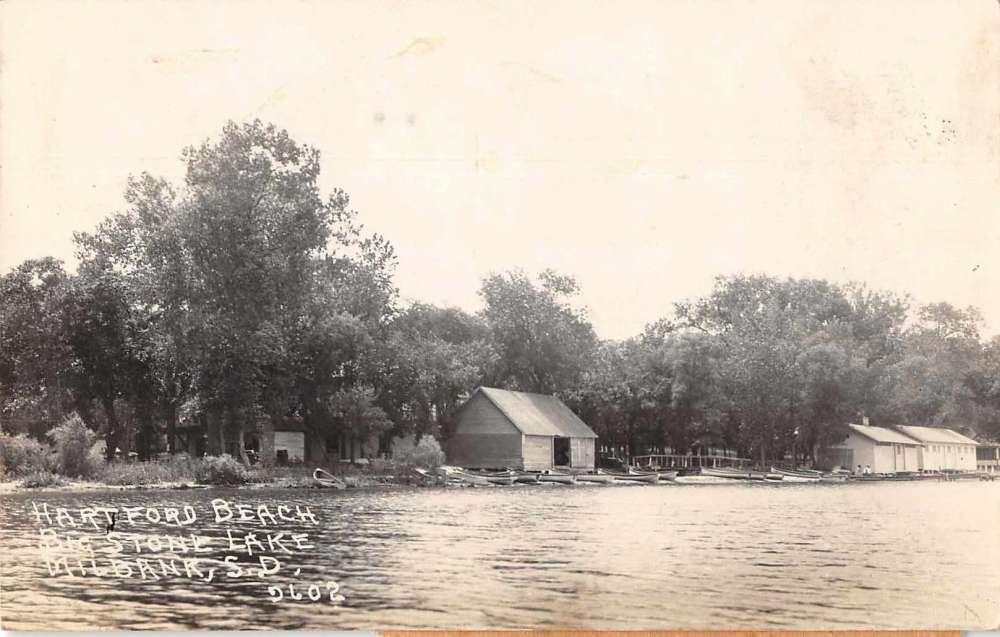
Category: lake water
<point>877,555</point>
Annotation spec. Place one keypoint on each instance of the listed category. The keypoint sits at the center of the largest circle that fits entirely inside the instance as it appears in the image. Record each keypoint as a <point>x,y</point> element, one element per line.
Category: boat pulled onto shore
<point>632,475</point>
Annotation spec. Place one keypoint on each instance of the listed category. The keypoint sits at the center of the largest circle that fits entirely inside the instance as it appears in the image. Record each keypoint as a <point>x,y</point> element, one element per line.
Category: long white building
<point>902,449</point>
<point>942,449</point>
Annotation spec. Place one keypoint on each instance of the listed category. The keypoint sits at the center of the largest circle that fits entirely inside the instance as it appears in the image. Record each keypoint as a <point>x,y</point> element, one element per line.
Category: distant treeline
<point>244,294</point>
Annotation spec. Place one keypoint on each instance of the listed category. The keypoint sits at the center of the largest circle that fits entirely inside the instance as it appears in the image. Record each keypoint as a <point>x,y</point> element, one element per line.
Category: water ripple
<point>866,556</point>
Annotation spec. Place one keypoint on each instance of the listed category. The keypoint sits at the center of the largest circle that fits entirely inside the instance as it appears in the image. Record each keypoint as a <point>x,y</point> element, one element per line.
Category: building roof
<point>936,435</point>
<point>883,435</point>
<point>537,414</point>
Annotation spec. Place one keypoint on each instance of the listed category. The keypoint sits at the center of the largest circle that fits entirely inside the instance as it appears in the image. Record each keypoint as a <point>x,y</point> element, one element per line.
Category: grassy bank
<point>227,471</point>
<point>185,472</point>
<point>71,462</point>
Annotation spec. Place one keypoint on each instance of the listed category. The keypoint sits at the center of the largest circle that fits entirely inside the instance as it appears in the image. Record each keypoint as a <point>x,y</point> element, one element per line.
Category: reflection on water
<point>881,555</point>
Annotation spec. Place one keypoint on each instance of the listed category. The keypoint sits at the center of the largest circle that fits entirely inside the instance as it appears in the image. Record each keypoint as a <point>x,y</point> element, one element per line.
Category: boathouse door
<point>560,452</point>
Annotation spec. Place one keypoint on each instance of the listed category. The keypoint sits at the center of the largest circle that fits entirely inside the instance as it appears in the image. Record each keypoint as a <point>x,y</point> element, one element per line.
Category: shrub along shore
<point>71,461</point>
<point>184,472</point>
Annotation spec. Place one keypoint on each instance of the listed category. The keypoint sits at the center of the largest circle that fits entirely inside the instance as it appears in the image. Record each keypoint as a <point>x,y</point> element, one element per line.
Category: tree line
<point>245,294</point>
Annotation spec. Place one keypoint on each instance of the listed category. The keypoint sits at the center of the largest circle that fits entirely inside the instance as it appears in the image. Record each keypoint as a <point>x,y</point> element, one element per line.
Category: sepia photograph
<point>499,315</point>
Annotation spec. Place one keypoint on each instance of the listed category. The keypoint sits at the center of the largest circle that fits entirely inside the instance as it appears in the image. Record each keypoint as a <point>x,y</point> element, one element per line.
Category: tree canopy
<point>244,295</point>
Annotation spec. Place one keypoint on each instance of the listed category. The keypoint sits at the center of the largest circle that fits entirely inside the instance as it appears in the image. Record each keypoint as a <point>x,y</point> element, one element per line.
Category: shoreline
<point>8,487</point>
<point>83,486</point>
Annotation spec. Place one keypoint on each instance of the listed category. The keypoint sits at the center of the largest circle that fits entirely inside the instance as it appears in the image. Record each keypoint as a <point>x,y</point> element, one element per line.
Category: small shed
<point>884,450</point>
<point>943,449</point>
<point>278,441</point>
<point>497,428</point>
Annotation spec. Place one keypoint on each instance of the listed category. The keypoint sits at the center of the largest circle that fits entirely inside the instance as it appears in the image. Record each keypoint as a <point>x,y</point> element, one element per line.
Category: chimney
<point>865,421</point>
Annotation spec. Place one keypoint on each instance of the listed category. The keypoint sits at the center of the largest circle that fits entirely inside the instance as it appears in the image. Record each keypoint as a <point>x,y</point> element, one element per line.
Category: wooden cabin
<point>497,428</point>
<point>943,449</point>
<point>884,450</point>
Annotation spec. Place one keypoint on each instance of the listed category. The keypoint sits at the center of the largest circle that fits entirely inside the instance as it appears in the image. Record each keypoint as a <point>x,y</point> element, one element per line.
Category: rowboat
<point>797,476</point>
<point>595,478</point>
<point>664,476</point>
<point>503,478</point>
<point>525,477</point>
<point>327,479</point>
<point>460,475</point>
<point>643,478</point>
<point>834,477</point>
<point>731,474</point>
<point>557,478</point>
<point>427,476</point>
<point>740,474</point>
<point>700,479</point>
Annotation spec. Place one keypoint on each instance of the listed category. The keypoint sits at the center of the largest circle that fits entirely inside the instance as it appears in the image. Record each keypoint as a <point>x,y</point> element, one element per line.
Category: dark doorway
<point>560,452</point>
<point>251,446</point>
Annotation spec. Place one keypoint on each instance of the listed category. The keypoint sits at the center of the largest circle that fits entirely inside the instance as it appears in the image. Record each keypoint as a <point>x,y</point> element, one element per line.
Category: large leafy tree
<point>103,331</point>
<point>789,360</point>
<point>144,248</point>
<point>38,381</point>
<point>928,382</point>
<point>982,381</point>
<point>434,358</point>
<point>543,343</point>
<point>261,298</point>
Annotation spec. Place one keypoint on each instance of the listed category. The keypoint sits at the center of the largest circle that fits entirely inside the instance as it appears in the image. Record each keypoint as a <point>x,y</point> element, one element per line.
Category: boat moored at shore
<point>799,475</point>
<point>458,476</point>
<point>556,477</point>
<point>642,478</point>
<point>740,474</point>
<point>594,478</point>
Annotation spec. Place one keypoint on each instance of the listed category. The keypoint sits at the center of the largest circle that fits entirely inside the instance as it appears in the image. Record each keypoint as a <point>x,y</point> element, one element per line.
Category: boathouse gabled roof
<point>883,435</point>
<point>537,414</point>
<point>936,435</point>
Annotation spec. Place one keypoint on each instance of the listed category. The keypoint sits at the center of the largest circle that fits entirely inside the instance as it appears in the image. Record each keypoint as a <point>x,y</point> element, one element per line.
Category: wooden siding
<point>582,453</point>
<point>484,438</point>
<point>881,457</point>
<point>911,459</point>
<point>480,416</point>
<point>965,459</point>
<point>936,456</point>
<point>885,459</point>
<point>537,452</point>
<point>485,451</point>
<point>862,448</point>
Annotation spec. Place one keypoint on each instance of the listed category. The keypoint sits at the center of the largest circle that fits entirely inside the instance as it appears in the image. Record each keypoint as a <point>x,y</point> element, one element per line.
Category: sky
<point>644,147</point>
